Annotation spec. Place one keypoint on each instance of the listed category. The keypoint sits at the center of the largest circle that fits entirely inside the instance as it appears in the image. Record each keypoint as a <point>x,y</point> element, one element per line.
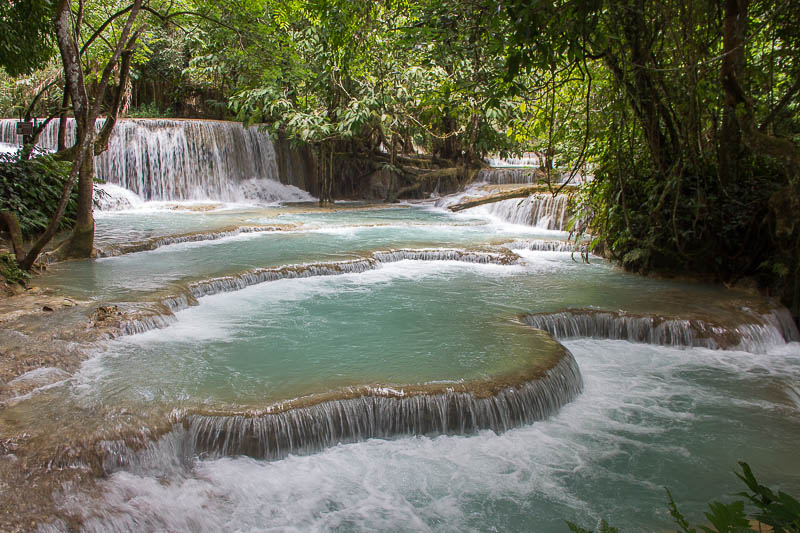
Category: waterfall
<point>541,210</point>
<point>758,335</point>
<point>161,159</point>
<point>504,176</point>
<point>538,245</point>
<point>528,159</point>
<point>358,414</point>
<point>467,256</point>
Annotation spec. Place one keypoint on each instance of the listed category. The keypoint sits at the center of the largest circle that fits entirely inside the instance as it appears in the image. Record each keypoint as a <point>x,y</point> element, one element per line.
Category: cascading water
<point>539,245</point>
<point>528,159</point>
<point>544,211</point>
<point>162,159</point>
<point>762,332</point>
<point>505,176</point>
<point>362,413</point>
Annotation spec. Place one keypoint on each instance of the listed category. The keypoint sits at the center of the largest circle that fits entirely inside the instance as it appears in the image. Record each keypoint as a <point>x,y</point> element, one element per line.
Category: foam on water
<point>649,417</point>
<point>110,197</point>
<point>251,193</point>
<point>6,148</point>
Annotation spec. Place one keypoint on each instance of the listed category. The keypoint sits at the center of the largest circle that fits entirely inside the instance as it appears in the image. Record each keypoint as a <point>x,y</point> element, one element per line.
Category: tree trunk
<point>82,239</point>
<point>10,219</point>
<point>81,242</point>
<point>733,62</point>
<point>61,144</point>
<point>391,193</point>
<point>474,123</point>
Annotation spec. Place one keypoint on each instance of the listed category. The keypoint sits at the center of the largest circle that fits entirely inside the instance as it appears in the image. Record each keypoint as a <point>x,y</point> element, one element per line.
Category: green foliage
<point>149,110</point>
<point>628,91</point>
<point>31,188</point>
<point>6,94</point>
<point>679,185</point>
<point>26,41</point>
<point>408,74</point>
<point>11,271</point>
<point>16,94</point>
<point>780,511</point>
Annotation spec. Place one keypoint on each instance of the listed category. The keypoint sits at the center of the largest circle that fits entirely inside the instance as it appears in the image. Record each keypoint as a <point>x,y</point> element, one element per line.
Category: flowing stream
<point>408,369</point>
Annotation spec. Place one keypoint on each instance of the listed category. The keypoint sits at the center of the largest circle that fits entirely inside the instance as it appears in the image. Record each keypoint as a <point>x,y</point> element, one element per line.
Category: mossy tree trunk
<point>81,242</point>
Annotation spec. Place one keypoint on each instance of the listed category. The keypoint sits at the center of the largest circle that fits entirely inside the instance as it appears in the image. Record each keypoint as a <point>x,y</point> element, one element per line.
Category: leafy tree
<point>26,37</point>
<point>696,162</point>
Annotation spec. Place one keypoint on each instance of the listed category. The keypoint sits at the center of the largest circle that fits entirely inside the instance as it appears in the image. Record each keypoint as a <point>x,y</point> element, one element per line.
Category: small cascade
<point>506,176</point>
<point>161,159</point>
<point>336,268</point>
<point>528,159</point>
<point>263,275</point>
<point>157,242</point>
<point>757,336</point>
<point>123,319</point>
<point>544,211</point>
<point>539,245</point>
<point>133,320</point>
<point>452,199</point>
<point>144,323</point>
<point>467,256</point>
<point>359,414</point>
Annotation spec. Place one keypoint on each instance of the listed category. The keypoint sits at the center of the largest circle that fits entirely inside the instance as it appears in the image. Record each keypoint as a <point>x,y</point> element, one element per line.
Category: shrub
<point>31,188</point>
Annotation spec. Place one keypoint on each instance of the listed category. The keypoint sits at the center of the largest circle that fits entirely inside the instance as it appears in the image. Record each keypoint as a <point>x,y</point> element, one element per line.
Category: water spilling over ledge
<point>749,331</point>
<point>355,266</point>
<point>199,236</point>
<point>540,245</point>
<point>311,424</point>
<point>130,319</point>
<point>164,159</point>
<point>506,176</point>
<point>541,210</point>
<point>156,410</point>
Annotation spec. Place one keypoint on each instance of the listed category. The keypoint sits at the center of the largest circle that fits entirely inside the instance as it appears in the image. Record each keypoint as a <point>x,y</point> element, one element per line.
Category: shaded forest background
<point>685,113</point>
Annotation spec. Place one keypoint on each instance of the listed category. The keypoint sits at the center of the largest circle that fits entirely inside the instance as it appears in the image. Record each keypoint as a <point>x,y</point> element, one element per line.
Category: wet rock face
<point>105,313</point>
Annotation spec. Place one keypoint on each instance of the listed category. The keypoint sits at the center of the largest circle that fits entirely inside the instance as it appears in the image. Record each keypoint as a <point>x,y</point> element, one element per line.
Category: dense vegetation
<point>31,188</point>
<point>685,113</point>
